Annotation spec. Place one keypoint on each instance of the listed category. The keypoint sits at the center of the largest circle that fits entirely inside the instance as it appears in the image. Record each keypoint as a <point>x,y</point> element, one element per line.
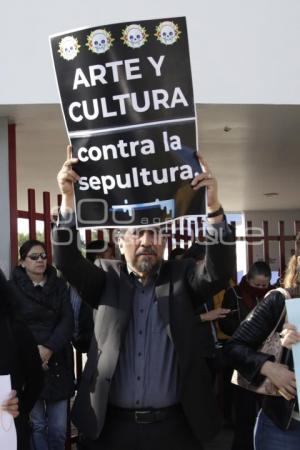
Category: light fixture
<point>271,194</point>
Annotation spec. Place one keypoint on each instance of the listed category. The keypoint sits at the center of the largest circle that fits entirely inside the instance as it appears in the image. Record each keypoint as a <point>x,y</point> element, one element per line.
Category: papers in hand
<point>8,435</point>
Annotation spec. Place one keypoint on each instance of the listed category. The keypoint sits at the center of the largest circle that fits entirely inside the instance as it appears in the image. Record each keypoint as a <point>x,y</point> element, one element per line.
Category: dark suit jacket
<point>180,287</point>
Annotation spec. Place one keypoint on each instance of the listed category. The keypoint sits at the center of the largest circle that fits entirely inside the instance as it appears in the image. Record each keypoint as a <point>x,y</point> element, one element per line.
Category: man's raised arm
<point>219,265</point>
<point>80,273</point>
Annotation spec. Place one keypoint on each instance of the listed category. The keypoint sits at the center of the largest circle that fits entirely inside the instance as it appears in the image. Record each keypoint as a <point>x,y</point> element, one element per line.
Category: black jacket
<point>241,350</point>
<point>19,358</point>
<point>23,363</point>
<point>233,300</point>
<point>49,316</point>
<point>180,287</point>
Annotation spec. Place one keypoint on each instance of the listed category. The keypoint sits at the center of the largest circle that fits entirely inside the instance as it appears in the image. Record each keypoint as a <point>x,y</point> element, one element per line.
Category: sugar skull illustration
<point>99,41</point>
<point>167,33</point>
<point>68,48</point>
<point>134,36</point>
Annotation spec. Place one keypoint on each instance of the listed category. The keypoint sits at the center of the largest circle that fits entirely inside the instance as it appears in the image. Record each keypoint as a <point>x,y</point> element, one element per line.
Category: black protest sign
<point>127,97</point>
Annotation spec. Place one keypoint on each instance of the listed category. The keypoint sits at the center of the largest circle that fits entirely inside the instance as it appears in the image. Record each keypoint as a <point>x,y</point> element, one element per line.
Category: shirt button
<point>137,402</point>
<point>143,292</point>
<point>138,378</point>
<point>139,354</point>
<point>140,332</point>
<point>141,311</point>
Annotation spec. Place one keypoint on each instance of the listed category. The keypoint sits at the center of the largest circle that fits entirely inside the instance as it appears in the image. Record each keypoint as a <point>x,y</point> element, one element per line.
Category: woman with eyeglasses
<point>45,306</point>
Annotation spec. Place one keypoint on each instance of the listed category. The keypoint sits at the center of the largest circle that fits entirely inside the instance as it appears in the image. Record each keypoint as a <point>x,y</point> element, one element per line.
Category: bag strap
<point>237,297</point>
<point>284,292</point>
<point>283,313</point>
<point>213,330</point>
<point>287,296</point>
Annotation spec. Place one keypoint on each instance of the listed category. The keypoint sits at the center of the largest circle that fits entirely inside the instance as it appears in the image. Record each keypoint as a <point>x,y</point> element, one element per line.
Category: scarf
<point>251,295</point>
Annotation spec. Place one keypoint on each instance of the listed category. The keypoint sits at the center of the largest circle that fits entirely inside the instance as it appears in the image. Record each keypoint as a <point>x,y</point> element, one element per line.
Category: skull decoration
<point>99,41</point>
<point>134,36</point>
<point>68,48</point>
<point>167,33</point>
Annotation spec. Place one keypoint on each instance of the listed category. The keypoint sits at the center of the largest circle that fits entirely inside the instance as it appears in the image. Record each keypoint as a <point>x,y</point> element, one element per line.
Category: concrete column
<point>4,198</point>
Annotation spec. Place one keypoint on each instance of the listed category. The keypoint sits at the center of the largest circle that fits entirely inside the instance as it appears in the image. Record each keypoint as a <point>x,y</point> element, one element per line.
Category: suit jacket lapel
<point>125,298</point>
<point>162,292</point>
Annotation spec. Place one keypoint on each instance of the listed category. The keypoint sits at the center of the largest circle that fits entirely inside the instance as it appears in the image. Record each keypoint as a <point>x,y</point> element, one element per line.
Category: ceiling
<point>258,154</point>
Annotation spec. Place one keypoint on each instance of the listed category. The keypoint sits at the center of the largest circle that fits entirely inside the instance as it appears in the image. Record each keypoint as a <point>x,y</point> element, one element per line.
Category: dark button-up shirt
<point>147,370</point>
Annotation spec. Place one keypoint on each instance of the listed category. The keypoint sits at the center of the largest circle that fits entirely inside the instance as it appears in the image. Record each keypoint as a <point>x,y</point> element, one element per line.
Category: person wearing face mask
<point>43,303</point>
<point>241,300</point>
<point>278,422</point>
<point>244,297</point>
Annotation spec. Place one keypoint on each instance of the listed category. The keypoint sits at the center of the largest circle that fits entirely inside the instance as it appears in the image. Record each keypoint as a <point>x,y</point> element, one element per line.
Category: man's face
<point>143,248</point>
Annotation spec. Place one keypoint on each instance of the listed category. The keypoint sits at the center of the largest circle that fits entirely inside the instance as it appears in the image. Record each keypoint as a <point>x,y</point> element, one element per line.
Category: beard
<point>146,265</point>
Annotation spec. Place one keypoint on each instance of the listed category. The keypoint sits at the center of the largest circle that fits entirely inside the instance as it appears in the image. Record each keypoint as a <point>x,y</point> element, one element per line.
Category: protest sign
<point>127,99</point>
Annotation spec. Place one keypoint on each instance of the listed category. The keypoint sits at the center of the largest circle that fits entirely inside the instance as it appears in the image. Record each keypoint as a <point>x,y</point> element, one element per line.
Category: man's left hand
<point>45,353</point>
<point>207,179</point>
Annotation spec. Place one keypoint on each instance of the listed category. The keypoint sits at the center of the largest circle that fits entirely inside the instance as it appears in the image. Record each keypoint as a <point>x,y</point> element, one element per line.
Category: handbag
<point>271,346</point>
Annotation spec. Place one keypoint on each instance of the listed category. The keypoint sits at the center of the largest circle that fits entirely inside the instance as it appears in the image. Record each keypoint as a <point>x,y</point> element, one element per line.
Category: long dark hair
<point>259,268</point>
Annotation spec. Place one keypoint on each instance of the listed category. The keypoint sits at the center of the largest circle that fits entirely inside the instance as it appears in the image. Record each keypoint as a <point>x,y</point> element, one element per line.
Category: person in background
<point>241,300</point>
<point>19,358</point>
<point>99,249</point>
<point>43,303</point>
<point>207,313</point>
<point>224,386</point>
<point>176,253</point>
<point>278,422</point>
<point>244,297</point>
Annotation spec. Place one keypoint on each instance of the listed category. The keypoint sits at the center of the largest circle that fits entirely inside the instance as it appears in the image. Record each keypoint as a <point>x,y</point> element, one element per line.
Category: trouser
<point>267,436</point>
<point>49,425</point>
<point>245,403</point>
<point>121,434</point>
<point>23,432</point>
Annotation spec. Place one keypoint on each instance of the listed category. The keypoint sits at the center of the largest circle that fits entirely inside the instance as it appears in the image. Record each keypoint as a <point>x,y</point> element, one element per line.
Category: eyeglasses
<point>36,256</point>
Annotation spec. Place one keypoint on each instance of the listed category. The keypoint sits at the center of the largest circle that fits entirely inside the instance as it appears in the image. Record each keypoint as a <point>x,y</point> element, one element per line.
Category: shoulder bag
<point>271,346</point>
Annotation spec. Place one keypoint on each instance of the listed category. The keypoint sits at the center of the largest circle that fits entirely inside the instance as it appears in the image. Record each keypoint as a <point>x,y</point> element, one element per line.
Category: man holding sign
<point>146,384</point>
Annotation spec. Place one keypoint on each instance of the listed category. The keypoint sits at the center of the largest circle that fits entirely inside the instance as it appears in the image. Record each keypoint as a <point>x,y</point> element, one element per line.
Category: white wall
<point>241,51</point>
<point>4,198</point>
